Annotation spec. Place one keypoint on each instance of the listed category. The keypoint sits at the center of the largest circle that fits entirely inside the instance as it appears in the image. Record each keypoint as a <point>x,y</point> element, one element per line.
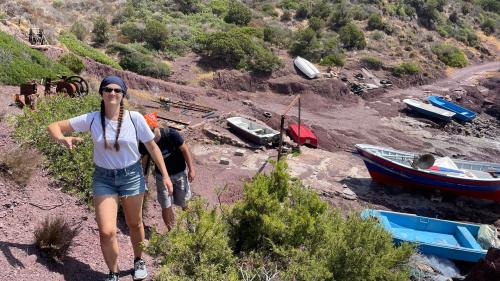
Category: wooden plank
<point>173,120</point>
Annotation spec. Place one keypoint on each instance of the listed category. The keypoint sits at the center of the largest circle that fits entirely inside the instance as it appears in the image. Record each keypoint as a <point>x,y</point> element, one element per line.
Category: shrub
<point>21,63</point>
<point>197,248</point>
<point>315,24</point>
<point>238,13</point>
<point>72,168</point>
<point>377,35</point>
<point>188,6</point>
<point>277,35</point>
<point>73,62</point>
<point>375,22</point>
<point>20,164</point>
<point>145,65</point>
<point>100,32</point>
<point>321,9</point>
<point>302,12</point>
<point>490,5</point>
<point>57,4</point>
<point>238,49</point>
<point>359,12</point>
<point>352,37</point>
<point>55,237</point>
<point>450,55</point>
<point>372,63</point>
<point>78,47</point>
<point>133,32</point>
<point>337,59</point>
<point>341,16</point>
<point>155,33</point>
<point>290,4</point>
<point>406,68</point>
<point>79,30</point>
<point>286,16</point>
<point>303,41</point>
<point>488,26</point>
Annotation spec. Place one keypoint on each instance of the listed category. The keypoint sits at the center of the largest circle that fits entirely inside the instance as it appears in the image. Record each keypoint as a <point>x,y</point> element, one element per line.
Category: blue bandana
<point>113,80</point>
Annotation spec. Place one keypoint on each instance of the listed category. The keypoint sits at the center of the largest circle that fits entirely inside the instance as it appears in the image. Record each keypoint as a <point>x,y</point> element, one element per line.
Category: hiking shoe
<point>112,276</point>
<point>140,271</point>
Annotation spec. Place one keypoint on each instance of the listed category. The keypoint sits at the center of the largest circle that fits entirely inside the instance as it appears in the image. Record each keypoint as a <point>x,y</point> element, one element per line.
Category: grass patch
<point>405,69</point>
<point>54,237</point>
<point>72,168</point>
<point>372,62</point>
<point>450,55</point>
<point>78,47</point>
<point>20,63</point>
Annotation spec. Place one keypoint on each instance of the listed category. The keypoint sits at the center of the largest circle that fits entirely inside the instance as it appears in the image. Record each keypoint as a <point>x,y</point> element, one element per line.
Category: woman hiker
<point>177,157</point>
<point>116,134</point>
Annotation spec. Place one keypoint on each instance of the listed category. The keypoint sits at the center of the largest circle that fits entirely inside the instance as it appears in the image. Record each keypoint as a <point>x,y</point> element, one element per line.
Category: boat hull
<point>462,114</point>
<point>430,113</point>
<point>389,173</point>
<point>447,239</point>
<point>306,67</point>
<point>257,139</point>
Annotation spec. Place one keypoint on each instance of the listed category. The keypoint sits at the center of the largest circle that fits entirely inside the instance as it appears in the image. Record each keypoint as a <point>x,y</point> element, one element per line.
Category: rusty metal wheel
<point>82,87</point>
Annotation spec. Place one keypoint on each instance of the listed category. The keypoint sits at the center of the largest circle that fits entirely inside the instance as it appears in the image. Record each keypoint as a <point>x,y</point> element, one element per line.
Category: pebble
<point>224,161</point>
<point>239,152</point>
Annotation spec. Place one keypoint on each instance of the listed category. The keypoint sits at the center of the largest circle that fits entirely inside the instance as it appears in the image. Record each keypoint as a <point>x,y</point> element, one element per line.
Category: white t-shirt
<point>129,148</point>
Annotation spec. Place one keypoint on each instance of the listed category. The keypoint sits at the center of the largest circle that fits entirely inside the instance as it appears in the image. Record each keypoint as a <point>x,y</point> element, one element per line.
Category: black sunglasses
<point>109,90</point>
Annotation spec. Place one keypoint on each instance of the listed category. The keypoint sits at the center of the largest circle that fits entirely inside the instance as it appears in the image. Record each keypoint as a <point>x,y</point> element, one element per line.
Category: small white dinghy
<point>429,110</point>
<point>253,131</point>
<point>306,67</point>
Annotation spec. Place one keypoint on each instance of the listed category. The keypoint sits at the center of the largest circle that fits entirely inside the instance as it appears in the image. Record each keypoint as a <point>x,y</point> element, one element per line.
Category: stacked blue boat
<point>461,113</point>
<point>441,109</point>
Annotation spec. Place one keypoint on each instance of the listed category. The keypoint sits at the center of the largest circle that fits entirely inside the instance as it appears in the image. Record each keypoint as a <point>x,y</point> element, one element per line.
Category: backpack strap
<point>135,128</point>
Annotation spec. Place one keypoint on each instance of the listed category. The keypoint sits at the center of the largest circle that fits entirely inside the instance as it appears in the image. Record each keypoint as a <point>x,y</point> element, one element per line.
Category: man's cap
<point>152,119</point>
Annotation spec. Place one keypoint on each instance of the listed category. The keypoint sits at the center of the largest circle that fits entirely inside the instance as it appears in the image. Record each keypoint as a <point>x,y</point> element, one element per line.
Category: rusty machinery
<point>73,86</point>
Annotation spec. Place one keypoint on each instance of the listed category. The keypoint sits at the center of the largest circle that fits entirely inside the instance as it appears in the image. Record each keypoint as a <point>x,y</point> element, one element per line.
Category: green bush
<point>321,9</point>
<point>359,12</point>
<point>80,31</point>
<point>375,22</point>
<point>280,228</point>
<point>406,68</point>
<point>133,32</point>
<point>290,4</point>
<point>377,35</point>
<point>155,33</point>
<point>72,168</point>
<point>286,16</point>
<point>372,63</point>
<point>337,59</point>
<point>73,62</point>
<point>490,5</point>
<point>303,42</point>
<point>20,63</point>
<point>341,16</point>
<point>352,37</point>
<point>302,12</point>
<point>488,26</point>
<point>238,13</point>
<point>238,49</point>
<point>188,6</point>
<point>100,32</point>
<point>450,55</point>
<point>315,24</point>
<point>78,47</point>
<point>276,35</point>
<point>145,65</point>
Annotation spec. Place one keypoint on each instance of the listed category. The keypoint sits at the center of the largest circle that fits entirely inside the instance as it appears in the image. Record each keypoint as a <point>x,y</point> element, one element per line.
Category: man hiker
<point>176,156</point>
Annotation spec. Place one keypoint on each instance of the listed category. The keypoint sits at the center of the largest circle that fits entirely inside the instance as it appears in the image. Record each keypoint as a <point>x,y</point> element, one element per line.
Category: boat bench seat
<point>481,174</point>
<point>466,239</point>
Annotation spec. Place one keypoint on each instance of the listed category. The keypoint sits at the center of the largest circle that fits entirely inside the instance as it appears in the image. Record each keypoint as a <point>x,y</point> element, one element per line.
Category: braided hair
<point>103,125</point>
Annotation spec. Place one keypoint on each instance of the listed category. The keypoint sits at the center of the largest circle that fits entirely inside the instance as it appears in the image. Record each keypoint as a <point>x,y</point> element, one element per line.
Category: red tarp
<point>306,135</point>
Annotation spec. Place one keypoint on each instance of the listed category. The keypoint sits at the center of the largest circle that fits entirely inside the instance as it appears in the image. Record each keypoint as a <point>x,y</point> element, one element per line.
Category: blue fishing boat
<point>461,113</point>
<point>443,238</point>
<point>429,110</point>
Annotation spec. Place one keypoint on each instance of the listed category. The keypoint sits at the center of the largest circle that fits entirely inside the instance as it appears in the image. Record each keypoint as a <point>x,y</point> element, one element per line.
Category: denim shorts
<point>182,190</point>
<point>128,181</point>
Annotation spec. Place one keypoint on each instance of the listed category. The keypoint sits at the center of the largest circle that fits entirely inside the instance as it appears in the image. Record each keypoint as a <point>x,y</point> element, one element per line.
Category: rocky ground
<point>339,118</point>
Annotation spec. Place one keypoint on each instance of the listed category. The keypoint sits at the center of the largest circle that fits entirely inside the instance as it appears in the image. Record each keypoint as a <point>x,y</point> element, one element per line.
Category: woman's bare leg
<point>132,206</point>
<point>106,208</point>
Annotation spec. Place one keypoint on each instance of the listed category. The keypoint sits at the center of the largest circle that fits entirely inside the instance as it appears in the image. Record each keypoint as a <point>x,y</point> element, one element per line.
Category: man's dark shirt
<point>169,144</point>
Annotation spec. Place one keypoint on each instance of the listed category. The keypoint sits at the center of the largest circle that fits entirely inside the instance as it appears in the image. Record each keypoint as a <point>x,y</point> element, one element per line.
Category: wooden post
<point>298,141</point>
<point>281,136</point>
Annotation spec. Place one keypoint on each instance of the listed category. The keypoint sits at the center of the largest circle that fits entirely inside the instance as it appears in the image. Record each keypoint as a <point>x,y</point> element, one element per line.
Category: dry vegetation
<point>20,164</point>
<point>54,237</point>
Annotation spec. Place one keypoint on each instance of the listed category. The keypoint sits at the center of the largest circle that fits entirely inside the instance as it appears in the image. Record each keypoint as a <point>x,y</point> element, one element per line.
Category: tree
<point>101,31</point>
<point>352,37</point>
<point>238,14</point>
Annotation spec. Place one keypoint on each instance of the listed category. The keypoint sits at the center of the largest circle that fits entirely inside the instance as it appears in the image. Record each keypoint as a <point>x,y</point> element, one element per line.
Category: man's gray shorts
<point>182,190</point>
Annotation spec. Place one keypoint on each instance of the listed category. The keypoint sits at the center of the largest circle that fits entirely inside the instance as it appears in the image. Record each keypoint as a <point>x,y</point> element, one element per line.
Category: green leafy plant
<point>73,62</point>
<point>375,22</point>
<point>372,62</point>
<point>55,237</point>
<point>352,37</point>
<point>337,59</point>
<point>72,168</point>
<point>145,65</point>
<point>406,68</point>
<point>78,47</point>
<point>21,63</point>
<point>100,32</point>
<point>238,13</point>
<point>450,55</point>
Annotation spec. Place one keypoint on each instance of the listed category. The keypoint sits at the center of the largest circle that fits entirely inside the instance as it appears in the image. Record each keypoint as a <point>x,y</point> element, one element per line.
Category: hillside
<point>396,39</point>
